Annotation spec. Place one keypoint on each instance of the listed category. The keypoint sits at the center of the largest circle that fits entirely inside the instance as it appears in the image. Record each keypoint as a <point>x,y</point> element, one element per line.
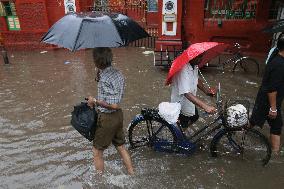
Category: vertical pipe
<point>4,54</point>
<point>154,59</point>
<point>3,50</point>
<point>5,57</point>
<point>161,56</point>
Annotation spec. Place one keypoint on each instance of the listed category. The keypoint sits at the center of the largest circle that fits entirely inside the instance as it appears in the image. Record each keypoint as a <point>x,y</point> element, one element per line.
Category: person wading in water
<point>270,96</point>
<point>110,117</point>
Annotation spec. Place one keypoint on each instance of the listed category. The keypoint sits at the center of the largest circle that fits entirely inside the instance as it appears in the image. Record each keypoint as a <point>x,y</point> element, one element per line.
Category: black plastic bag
<point>84,120</point>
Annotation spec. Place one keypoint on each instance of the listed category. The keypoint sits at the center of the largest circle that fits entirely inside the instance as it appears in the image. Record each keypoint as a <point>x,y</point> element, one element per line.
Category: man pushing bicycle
<point>183,76</point>
<point>184,88</point>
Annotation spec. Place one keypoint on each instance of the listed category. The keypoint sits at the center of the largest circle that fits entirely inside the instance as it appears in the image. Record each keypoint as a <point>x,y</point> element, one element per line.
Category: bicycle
<point>150,130</point>
<point>246,63</point>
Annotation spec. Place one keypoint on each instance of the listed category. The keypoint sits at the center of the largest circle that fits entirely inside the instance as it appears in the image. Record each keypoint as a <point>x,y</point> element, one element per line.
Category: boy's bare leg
<point>126,159</point>
<point>98,160</point>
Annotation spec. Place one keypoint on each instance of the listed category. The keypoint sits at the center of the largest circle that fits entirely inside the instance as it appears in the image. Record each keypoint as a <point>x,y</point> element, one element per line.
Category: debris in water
<point>43,52</point>
<point>148,52</point>
<point>251,83</point>
<point>67,62</point>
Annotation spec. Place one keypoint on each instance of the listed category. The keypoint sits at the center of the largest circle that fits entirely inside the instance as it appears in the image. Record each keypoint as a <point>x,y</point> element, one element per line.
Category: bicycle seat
<point>150,113</point>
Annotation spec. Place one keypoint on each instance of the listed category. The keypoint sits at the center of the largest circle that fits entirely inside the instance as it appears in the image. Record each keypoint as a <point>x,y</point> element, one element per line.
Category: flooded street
<point>40,149</point>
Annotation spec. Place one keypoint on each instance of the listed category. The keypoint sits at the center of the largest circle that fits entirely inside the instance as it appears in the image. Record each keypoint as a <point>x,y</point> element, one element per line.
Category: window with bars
<point>275,8</point>
<point>8,10</point>
<point>2,9</point>
<point>152,5</point>
<point>230,9</point>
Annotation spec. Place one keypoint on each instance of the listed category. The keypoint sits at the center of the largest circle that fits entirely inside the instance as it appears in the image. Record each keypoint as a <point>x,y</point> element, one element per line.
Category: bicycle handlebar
<point>219,102</point>
<point>239,46</point>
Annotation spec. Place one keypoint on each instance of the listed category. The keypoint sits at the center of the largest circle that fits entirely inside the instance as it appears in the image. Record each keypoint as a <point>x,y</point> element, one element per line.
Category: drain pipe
<point>4,54</point>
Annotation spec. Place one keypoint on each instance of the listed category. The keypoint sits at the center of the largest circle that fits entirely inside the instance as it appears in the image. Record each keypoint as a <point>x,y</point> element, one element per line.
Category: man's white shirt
<point>183,82</point>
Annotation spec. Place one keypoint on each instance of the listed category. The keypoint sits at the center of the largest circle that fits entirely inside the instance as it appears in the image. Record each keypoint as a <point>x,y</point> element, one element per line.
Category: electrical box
<point>169,17</point>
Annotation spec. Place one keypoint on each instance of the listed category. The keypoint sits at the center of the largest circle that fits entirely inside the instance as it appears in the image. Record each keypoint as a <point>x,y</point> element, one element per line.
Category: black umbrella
<point>94,29</point>
<point>278,26</point>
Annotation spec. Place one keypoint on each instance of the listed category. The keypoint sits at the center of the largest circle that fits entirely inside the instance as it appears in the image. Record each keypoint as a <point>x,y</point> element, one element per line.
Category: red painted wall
<point>36,17</point>
<point>3,24</point>
<point>152,19</point>
<point>246,32</point>
<point>32,15</point>
<point>55,10</point>
<point>196,28</point>
<point>85,4</point>
<point>34,23</point>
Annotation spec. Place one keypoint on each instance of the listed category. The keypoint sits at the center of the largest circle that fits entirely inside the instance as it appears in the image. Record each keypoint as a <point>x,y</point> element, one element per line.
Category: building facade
<point>227,21</point>
<point>23,22</point>
<point>174,23</point>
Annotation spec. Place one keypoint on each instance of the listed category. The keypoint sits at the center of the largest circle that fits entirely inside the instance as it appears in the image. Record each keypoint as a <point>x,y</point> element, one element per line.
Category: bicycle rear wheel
<point>143,132</point>
<point>250,145</point>
<point>248,65</point>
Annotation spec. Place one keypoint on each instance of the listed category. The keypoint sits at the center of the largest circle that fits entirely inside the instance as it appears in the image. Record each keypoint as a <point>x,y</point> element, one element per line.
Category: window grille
<point>230,9</point>
<point>152,5</point>
<point>8,10</point>
<point>2,10</point>
<point>274,9</point>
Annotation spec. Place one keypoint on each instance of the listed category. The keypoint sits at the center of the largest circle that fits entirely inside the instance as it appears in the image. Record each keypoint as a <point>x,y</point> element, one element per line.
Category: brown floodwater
<point>40,149</point>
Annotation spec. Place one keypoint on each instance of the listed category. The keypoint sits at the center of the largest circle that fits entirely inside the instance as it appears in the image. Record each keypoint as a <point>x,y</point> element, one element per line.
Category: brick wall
<point>32,15</point>
<point>21,40</point>
<point>34,23</point>
<point>55,10</point>
<point>3,24</point>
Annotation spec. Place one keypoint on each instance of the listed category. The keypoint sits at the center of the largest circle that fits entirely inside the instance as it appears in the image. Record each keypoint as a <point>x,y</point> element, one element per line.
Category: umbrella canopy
<point>278,26</point>
<point>210,50</point>
<point>94,29</point>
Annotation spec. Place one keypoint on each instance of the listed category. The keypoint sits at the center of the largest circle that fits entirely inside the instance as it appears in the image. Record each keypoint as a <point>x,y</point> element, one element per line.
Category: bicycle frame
<point>204,128</point>
<point>183,143</point>
<point>235,59</point>
<point>187,145</point>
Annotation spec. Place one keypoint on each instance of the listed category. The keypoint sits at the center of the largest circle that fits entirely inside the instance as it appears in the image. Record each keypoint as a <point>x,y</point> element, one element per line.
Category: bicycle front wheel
<point>250,145</point>
<point>248,65</point>
<point>143,132</point>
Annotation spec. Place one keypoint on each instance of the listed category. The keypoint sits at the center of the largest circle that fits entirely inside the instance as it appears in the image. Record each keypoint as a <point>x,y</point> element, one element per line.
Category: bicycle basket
<point>237,113</point>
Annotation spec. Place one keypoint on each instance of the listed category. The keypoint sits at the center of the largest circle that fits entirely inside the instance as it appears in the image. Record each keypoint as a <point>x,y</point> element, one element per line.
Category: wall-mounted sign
<point>169,18</point>
<point>234,14</point>
<point>70,6</point>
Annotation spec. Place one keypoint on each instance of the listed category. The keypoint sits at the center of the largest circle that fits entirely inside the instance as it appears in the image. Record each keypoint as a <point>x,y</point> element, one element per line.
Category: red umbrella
<point>210,50</point>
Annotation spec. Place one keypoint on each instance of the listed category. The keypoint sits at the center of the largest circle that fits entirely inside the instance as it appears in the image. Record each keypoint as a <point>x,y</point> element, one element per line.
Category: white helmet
<point>237,115</point>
